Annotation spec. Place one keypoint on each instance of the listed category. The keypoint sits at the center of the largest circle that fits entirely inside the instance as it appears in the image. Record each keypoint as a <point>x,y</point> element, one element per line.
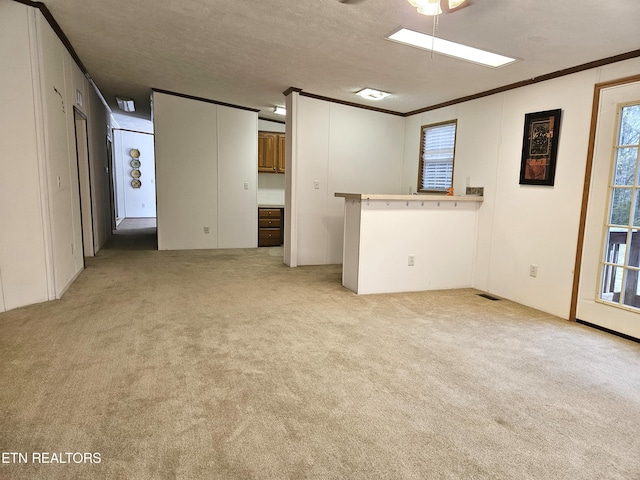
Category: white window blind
<point>438,144</point>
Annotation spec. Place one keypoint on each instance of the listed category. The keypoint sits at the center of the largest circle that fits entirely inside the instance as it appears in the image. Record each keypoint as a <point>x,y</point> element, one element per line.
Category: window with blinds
<point>437,151</point>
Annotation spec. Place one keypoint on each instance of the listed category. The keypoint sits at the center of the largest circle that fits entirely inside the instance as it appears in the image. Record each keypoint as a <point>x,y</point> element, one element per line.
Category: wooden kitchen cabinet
<point>271,152</point>
<point>282,148</point>
<point>270,226</point>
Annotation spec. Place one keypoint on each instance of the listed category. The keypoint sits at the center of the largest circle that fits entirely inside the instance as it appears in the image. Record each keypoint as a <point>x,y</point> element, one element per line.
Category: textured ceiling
<point>247,52</point>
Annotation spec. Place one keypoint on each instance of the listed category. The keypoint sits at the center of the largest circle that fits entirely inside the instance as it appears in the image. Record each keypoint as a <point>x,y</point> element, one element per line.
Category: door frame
<point>84,185</point>
<point>599,87</point>
<point>112,188</point>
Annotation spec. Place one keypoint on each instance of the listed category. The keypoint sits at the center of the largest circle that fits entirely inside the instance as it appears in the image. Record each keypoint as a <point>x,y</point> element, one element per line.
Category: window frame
<point>423,130</point>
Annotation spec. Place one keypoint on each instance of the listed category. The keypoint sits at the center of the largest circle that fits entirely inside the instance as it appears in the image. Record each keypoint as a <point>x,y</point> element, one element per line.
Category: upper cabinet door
<point>266,152</point>
<point>271,152</point>
<point>281,152</point>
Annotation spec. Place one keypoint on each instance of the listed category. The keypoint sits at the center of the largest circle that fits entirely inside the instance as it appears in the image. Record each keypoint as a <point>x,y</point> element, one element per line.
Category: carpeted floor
<point>229,365</point>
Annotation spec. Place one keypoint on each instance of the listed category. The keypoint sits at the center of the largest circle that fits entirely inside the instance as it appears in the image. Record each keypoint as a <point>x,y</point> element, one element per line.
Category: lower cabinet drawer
<point>269,237</point>
<point>269,213</point>
<point>269,223</point>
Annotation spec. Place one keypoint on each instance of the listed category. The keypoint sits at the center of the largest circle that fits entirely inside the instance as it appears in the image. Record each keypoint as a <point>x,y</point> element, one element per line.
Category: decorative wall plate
<point>135,183</point>
<point>135,163</point>
<point>134,152</point>
<point>135,173</point>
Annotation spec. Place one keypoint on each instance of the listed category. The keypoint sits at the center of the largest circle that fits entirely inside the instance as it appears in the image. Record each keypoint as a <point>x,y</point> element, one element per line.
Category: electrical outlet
<point>246,185</point>
<point>206,229</point>
<point>533,270</point>
<point>143,205</point>
<point>412,260</point>
<point>316,184</point>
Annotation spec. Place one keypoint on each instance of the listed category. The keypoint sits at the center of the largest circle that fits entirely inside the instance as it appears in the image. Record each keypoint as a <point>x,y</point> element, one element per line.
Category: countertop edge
<point>410,198</point>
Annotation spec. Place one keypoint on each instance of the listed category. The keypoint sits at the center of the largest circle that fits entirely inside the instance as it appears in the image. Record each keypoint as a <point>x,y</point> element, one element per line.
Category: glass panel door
<point>621,250</point>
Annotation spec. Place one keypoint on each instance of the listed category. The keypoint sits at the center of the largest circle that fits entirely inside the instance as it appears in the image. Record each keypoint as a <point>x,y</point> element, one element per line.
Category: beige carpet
<point>229,365</point>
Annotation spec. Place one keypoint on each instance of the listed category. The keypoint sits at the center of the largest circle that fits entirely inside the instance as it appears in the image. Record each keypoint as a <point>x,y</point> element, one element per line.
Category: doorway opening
<point>84,182</point>
<point>134,190</point>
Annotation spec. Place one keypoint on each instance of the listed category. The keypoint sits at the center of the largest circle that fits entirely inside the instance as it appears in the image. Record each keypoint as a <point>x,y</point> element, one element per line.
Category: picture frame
<point>540,147</point>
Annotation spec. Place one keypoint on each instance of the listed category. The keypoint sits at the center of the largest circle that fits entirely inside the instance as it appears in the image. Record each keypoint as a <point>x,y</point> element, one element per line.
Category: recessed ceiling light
<point>452,49</point>
<point>372,94</point>
<point>280,111</point>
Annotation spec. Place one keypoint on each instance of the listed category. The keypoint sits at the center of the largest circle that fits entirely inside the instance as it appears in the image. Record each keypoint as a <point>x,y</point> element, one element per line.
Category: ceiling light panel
<point>372,94</point>
<point>451,49</point>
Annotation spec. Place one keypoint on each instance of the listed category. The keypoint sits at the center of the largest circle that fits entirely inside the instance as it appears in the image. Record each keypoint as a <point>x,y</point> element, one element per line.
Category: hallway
<point>133,234</point>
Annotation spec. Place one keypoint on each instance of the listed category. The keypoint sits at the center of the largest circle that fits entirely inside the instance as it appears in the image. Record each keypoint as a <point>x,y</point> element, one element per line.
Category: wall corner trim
<point>290,90</point>
<point>351,104</point>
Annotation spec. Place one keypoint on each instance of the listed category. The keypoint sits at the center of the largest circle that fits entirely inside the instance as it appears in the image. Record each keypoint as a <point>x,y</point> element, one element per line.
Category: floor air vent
<point>489,297</point>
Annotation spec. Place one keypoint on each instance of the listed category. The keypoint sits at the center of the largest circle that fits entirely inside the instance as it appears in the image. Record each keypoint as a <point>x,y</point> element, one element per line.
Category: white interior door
<point>82,152</point>
<point>594,304</point>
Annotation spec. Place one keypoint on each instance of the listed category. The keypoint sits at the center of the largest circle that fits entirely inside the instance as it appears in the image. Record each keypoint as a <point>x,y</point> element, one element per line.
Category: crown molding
<point>206,100</point>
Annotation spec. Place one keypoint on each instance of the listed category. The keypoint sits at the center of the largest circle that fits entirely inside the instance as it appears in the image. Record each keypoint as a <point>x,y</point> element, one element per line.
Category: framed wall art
<point>540,147</point>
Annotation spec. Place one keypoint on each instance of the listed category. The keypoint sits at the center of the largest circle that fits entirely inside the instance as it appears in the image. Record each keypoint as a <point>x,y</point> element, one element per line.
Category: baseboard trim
<point>608,330</point>
<point>66,287</point>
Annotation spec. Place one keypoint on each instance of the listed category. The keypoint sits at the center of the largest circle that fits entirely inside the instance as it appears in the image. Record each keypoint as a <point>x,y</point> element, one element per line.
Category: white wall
<point>539,225</point>
<point>135,202</point>
<point>237,178</point>
<point>269,126</point>
<point>41,236</point>
<point>56,84</point>
<point>271,188</point>
<point>23,268</point>
<point>205,153</point>
<point>520,225</point>
<point>344,149</point>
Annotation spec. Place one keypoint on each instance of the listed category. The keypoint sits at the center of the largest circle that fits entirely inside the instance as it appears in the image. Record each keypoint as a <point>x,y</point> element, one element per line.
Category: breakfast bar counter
<point>401,243</point>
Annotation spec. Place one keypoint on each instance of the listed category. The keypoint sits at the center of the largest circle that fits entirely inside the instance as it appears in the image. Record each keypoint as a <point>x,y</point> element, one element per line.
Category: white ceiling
<point>247,52</point>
